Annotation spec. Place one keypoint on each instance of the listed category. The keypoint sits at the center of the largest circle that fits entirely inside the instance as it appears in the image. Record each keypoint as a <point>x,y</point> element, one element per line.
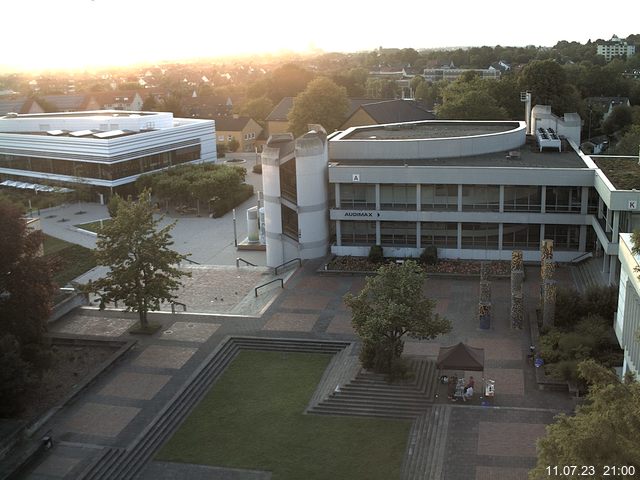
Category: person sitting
<point>470,384</point>
<point>468,393</point>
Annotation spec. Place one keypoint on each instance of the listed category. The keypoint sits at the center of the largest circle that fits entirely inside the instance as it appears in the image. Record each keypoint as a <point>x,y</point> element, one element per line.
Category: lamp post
<point>235,233</point>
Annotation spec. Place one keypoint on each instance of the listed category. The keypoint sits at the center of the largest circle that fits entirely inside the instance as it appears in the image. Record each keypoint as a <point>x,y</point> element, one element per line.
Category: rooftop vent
<point>11,115</point>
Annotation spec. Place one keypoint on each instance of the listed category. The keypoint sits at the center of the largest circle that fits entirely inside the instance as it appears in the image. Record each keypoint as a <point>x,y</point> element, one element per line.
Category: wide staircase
<point>425,453</point>
<point>121,463</point>
<point>370,394</point>
<point>589,274</point>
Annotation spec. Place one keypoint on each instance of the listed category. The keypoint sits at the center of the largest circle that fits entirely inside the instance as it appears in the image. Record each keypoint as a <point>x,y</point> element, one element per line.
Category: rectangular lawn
<point>253,418</point>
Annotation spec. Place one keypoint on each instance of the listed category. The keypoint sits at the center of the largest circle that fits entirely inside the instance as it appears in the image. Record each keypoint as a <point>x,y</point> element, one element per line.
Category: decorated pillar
<point>517,279</point>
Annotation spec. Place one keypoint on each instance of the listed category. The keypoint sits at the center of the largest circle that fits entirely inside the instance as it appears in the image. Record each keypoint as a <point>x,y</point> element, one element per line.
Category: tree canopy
<point>26,292</point>
<point>604,431</point>
<point>322,102</point>
<point>390,306</point>
<point>143,270</point>
<point>468,98</point>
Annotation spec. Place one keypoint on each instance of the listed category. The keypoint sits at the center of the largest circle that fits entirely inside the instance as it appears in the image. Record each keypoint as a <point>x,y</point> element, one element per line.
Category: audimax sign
<point>363,214</point>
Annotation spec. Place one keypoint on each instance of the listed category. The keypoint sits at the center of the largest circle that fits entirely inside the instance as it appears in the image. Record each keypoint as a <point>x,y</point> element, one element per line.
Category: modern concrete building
<point>106,149</point>
<point>627,320</point>
<point>475,190</point>
<point>294,180</point>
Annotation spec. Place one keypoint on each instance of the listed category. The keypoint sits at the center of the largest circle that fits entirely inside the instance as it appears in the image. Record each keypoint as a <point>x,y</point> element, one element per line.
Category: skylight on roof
<point>110,134</point>
<point>81,133</point>
<point>55,133</point>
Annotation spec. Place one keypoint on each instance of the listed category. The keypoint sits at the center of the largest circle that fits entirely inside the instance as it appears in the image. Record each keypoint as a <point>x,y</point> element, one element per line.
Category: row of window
<point>113,171</point>
<point>474,197</point>
<point>484,236</point>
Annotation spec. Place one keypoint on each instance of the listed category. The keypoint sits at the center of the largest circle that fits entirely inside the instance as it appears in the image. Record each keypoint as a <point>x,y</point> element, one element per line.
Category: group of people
<point>467,392</point>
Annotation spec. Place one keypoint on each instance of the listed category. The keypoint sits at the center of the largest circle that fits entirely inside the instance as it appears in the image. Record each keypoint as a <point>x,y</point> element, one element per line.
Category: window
<point>440,234</point>
<point>483,236</point>
<point>520,236</point>
<point>288,181</point>
<point>221,138</point>
<point>289,222</point>
<point>522,198</point>
<point>357,233</point>
<point>563,199</point>
<point>439,197</point>
<point>398,197</point>
<point>398,234</point>
<point>565,237</point>
<point>229,138</point>
<point>357,196</point>
<point>481,197</point>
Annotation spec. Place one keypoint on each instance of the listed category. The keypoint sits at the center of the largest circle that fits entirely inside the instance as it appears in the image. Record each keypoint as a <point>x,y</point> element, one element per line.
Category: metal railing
<point>255,290</point>
<point>299,260</point>
<point>238,260</point>
<point>192,261</point>
<point>581,257</point>
<point>173,307</point>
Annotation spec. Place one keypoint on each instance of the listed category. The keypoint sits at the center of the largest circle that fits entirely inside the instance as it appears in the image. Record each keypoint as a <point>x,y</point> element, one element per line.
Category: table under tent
<point>454,361</point>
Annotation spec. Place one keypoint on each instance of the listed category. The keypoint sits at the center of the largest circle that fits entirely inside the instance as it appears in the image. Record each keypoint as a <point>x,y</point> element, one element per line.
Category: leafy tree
<point>143,269</point>
<point>547,82</point>
<point>233,145</point>
<point>604,431</point>
<point>619,118</point>
<point>149,104</point>
<point>390,306</point>
<point>468,98</point>
<point>381,88</point>
<point>322,102</point>
<point>258,109</point>
<point>629,143</point>
<point>26,291</point>
<point>172,104</point>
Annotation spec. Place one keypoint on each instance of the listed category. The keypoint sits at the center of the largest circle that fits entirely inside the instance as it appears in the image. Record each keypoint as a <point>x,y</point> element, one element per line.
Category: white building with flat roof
<point>106,148</point>
<point>627,320</point>
<point>615,48</point>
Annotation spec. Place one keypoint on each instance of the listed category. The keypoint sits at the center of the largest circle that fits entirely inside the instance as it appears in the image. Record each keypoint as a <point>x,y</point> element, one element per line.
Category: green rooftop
<point>623,172</point>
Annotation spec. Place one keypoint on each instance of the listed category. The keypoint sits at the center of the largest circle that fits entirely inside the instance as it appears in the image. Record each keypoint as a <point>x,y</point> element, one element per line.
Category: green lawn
<point>93,226</point>
<point>70,260</point>
<point>253,419</point>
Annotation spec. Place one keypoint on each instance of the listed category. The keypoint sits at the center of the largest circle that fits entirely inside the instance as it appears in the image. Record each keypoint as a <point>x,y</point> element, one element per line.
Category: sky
<point>63,34</point>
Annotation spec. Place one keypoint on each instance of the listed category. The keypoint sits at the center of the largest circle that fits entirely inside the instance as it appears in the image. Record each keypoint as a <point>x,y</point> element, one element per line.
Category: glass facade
<point>288,182</point>
<point>522,198</point>
<point>397,197</point>
<point>519,236</point>
<point>565,237</point>
<point>483,236</point>
<point>289,222</point>
<point>357,233</point>
<point>481,197</point>
<point>101,171</point>
<point>358,196</point>
<point>439,197</point>
<point>563,199</point>
<point>440,234</point>
<point>398,234</point>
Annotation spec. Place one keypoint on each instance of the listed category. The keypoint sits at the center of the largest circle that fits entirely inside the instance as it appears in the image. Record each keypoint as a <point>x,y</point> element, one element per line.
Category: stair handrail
<point>173,306</point>
<point>255,290</point>
<point>192,261</point>
<point>247,262</point>
<point>299,260</point>
<point>581,257</point>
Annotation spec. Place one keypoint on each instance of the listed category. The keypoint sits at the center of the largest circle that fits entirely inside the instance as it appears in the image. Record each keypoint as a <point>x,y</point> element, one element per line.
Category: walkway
<point>477,441</point>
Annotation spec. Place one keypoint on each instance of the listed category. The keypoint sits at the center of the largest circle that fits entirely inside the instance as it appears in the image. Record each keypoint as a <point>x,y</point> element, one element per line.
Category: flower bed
<point>451,267</point>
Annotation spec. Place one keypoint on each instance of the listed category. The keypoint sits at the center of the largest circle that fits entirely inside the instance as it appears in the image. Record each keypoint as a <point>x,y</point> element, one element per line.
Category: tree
<point>322,102</point>
<point>604,431</point>
<point>149,104</point>
<point>143,269</point>
<point>390,306</point>
<point>620,117</point>
<point>468,98</point>
<point>629,143</point>
<point>547,82</point>
<point>233,145</point>
<point>258,109</point>
<point>26,291</point>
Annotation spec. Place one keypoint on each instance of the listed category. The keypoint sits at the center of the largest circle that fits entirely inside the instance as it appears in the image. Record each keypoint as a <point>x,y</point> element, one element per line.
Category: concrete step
<point>365,412</point>
<point>128,463</point>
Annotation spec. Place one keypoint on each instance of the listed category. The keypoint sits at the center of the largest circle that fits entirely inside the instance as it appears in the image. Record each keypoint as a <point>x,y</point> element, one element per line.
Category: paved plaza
<point>484,439</point>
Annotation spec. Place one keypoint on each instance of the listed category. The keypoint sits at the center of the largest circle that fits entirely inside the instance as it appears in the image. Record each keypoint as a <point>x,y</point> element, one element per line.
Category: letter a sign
<point>356,177</point>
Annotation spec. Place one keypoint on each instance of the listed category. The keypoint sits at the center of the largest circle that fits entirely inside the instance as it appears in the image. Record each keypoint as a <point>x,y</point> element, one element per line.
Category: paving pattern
<point>476,441</point>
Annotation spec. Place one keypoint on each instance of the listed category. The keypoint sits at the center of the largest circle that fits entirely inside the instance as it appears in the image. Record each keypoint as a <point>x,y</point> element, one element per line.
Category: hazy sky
<point>77,33</point>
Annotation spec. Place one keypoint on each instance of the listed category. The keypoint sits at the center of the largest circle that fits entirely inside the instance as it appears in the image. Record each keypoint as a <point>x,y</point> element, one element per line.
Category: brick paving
<point>482,441</point>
